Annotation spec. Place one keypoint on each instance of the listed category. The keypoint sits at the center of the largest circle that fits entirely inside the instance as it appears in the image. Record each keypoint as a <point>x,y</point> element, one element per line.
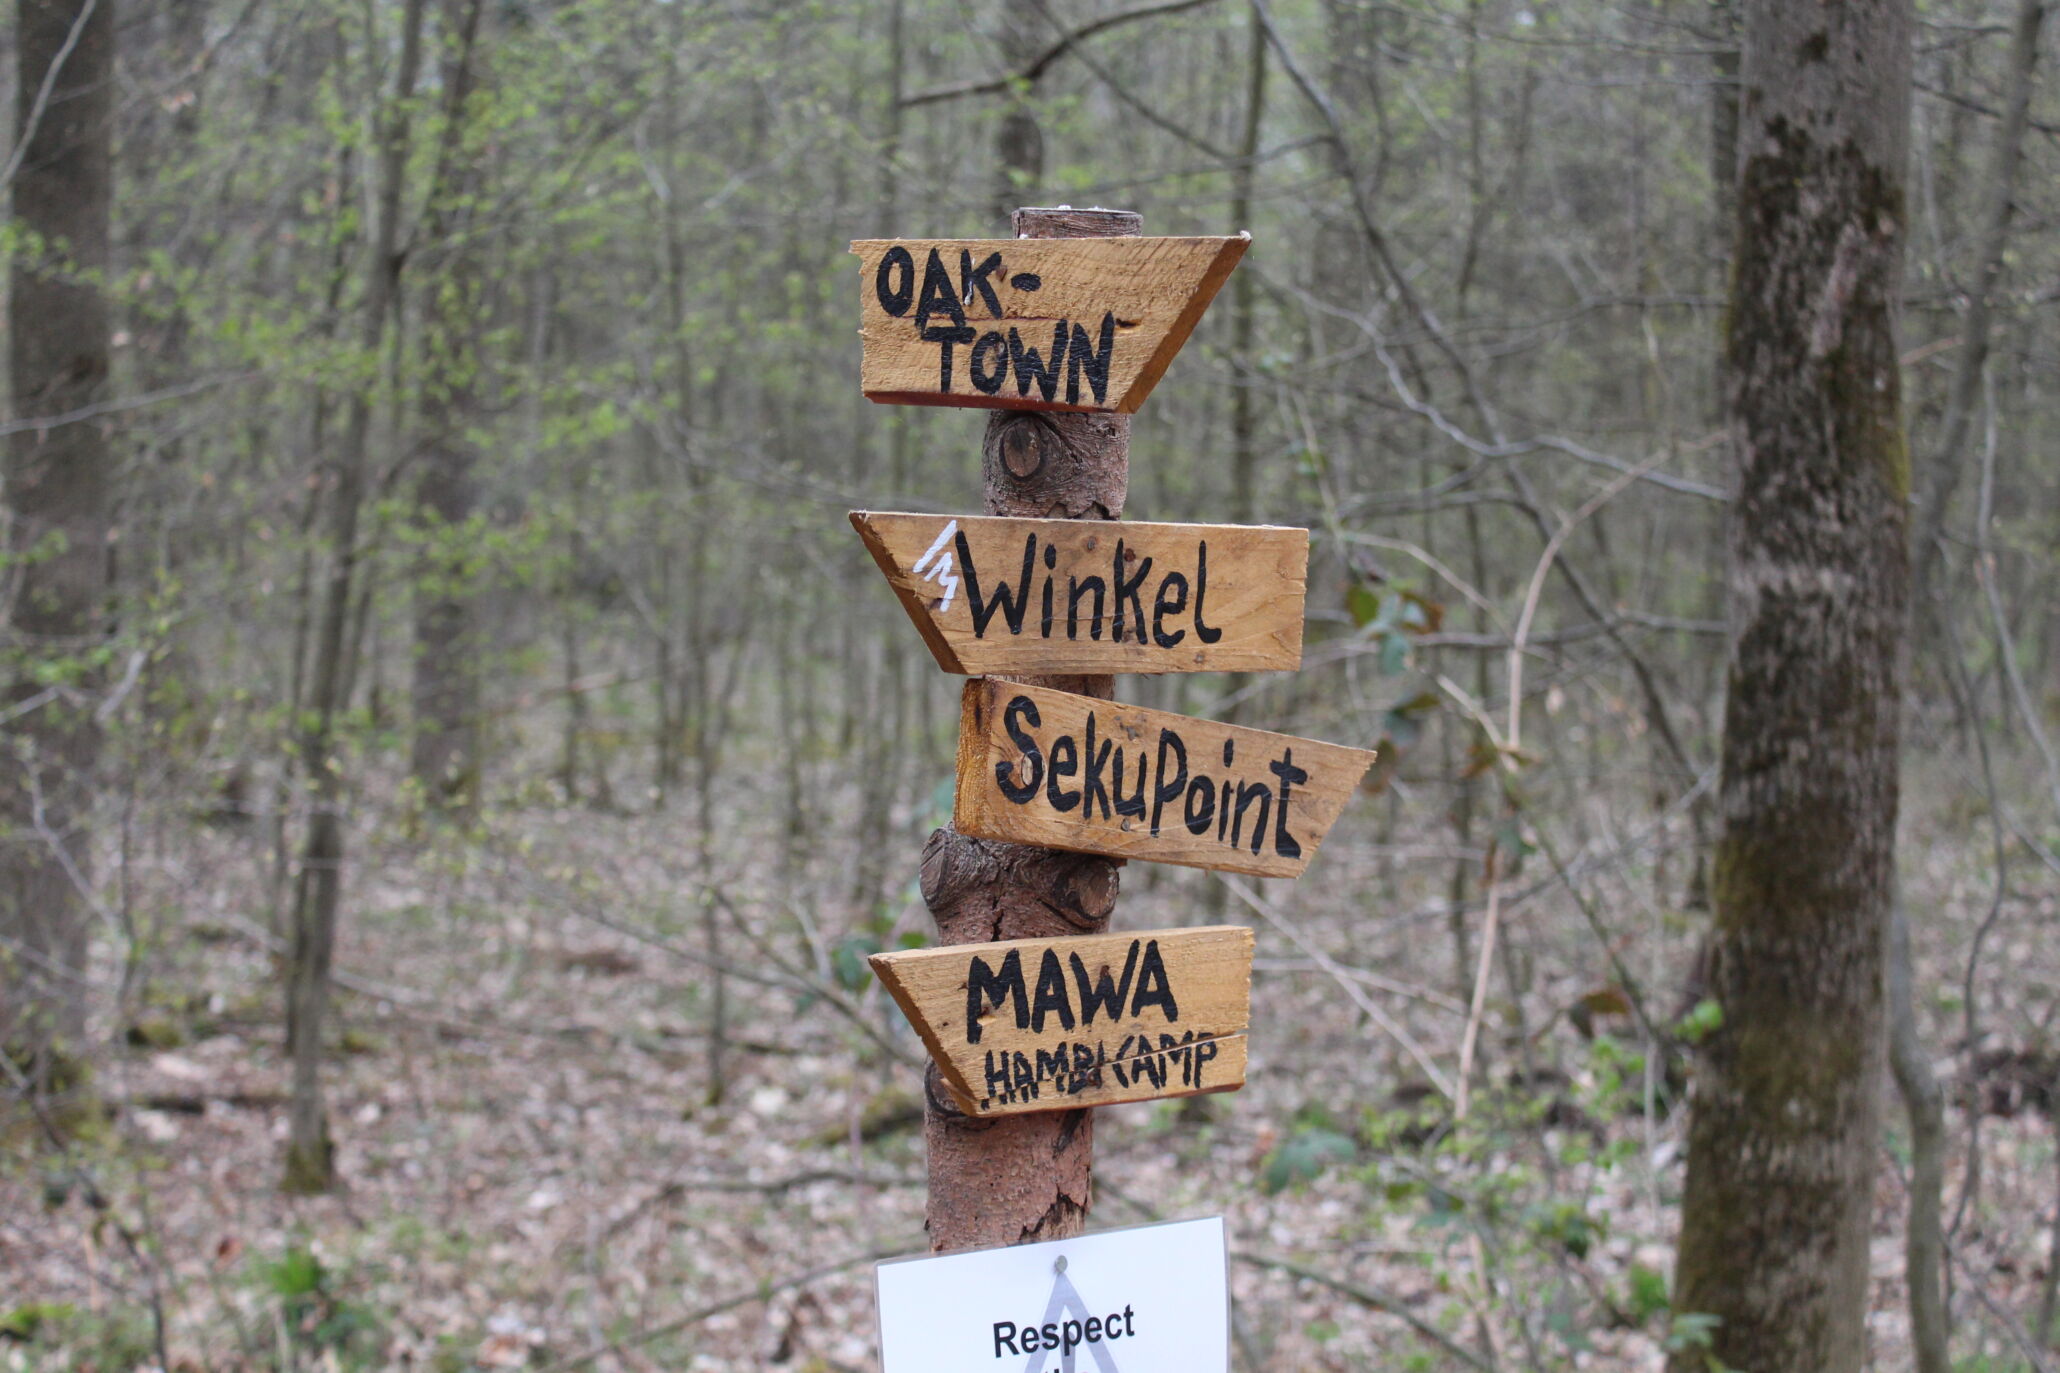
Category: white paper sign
<point>1155,1299</point>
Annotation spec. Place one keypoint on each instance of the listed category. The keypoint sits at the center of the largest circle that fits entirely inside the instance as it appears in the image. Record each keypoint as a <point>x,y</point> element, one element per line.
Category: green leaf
<point>1704,1020</point>
<point>848,961</point>
<point>1362,604</point>
<point>1303,1157</point>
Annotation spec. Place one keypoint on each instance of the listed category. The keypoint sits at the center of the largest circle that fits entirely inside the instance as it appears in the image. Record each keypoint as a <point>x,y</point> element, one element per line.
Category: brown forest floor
<point>533,1177</point>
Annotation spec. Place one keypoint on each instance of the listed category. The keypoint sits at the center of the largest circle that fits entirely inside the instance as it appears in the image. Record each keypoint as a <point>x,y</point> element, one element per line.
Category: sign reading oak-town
<point>1037,766</point>
<point>1043,596</point>
<point>1078,324</point>
<point>1047,1024</point>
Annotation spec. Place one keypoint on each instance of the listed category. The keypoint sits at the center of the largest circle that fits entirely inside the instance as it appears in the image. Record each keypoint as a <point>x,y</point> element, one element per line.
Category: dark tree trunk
<point>310,1157</point>
<point>57,483</point>
<point>1783,1134</point>
<point>445,753</point>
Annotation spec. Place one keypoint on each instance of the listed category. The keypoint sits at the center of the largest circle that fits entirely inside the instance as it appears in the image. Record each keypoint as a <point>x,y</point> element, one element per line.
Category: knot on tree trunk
<point>1040,466</point>
<point>979,890</point>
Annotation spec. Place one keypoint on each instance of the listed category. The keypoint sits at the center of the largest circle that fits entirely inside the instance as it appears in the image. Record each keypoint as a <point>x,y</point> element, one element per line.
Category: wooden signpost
<point>1033,1025</point>
<point>1030,1011</point>
<point>1031,324</point>
<point>1000,595</point>
<point>1070,772</point>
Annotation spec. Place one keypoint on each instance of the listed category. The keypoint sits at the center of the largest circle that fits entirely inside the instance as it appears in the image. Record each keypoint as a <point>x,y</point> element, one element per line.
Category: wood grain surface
<point>1052,1024</point>
<point>1037,766</point>
<point>1031,324</point>
<point>1069,596</point>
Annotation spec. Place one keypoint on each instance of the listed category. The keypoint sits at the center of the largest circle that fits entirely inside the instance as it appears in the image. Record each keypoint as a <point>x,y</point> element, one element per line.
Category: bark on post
<point>1784,1130</point>
<point>1019,1179</point>
<point>57,482</point>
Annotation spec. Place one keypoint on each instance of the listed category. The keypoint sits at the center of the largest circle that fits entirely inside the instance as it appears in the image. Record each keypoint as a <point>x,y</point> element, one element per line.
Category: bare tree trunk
<point>445,754</point>
<point>1020,1178</point>
<point>57,486</point>
<point>1924,1244</point>
<point>1782,1134</point>
<point>310,1156</point>
<point>1974,333</point>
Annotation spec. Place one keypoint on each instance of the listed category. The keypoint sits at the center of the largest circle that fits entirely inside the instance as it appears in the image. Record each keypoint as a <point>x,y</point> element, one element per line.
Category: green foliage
<point>1310,1148</point>
<point>313,1309</point>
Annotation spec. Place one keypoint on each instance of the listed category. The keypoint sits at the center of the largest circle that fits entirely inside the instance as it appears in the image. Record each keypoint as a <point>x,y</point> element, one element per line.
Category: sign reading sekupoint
<point>1044,596</point>
<point>1037,766</point>
<point>1155,1299</point>
<point>1078,324</point>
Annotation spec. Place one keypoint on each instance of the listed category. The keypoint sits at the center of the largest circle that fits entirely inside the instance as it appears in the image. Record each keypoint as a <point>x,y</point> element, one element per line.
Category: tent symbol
<point>1066,1304</point>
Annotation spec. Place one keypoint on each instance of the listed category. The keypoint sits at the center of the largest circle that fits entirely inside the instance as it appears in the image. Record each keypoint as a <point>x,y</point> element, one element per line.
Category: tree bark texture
<point>445,752</point>
<point>1018,1179</point>
<point>310,1154</point>
<point>1783,1132</point>
<point>57,483</point>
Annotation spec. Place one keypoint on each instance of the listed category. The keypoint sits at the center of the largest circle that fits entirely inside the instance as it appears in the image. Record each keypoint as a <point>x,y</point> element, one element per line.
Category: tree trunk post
<point>1022,1178</point>
<point>57,482</point>
<point>1784,1128</point>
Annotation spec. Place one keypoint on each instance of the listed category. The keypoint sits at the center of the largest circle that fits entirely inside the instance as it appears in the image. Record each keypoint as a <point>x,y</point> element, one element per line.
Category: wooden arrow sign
<point>1037,766</point>
<point>1051,1024</point>
<point>1031,323</point>
<point>1003,595</point>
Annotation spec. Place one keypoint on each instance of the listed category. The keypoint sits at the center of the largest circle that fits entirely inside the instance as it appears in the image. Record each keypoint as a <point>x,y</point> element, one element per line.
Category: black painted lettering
<point>1285,844</point>
<point>1198,817</point>
<point>1032,370</point>
<point>1007,1340</point>
<point>990,366</point>
<point>1092,785</point>
<point>1021,708</point>
<point>1167,789</point>
<point>1051,559</point>
<point>1076,587</point>
<point>1050,1331</point>
<point>1133,804</point>
<point>894,299</point>
<point>986,989</point>
<point>1051,996</point>
<point>1208,634</point>
<point>973,280</point>
<point>1126,590</point>
<point>1065,762</point>
<point>999,1084</point>
<point>938,296</point>
<point>1094,363</point>
<point>1153,988</point>
<point>1104,996</point>
<point>1248,794</point>
<point>1011,609</point>
<point>1030,1342</point>
<point>1171,600</point>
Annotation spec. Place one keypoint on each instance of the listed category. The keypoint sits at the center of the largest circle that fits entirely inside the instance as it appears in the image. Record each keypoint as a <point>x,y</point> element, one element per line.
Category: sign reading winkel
<point>1040,596</point>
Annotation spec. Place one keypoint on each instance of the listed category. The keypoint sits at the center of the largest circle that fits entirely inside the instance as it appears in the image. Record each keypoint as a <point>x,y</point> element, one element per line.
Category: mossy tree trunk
<point>57,480</point>
<point>1783,1134</point>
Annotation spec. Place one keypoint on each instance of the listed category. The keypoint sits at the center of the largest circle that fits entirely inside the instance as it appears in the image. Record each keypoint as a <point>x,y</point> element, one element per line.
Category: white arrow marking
<point>943,574</point>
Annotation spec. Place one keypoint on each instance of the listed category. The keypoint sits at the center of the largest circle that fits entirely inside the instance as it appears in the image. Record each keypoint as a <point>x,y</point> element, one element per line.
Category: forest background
<point>472,583</point>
